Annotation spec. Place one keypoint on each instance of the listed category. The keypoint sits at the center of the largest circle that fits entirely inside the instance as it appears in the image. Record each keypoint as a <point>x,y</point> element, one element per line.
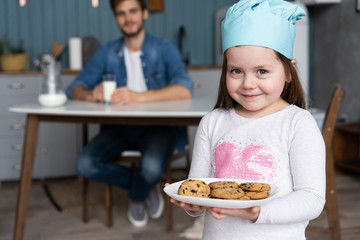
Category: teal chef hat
<point>265,23</point>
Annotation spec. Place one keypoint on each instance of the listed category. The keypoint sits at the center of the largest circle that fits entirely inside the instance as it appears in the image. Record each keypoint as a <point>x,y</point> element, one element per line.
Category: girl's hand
<point>190,208</point>
<point>251,213</point>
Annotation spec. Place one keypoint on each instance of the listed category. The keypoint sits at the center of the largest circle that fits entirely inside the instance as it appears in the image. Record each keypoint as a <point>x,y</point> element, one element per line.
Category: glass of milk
<point>51,94</point>
<point>109,86</point>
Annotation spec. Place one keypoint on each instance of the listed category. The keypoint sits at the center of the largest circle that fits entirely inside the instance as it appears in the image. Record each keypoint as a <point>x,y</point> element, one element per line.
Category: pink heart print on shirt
<point>252,162</point>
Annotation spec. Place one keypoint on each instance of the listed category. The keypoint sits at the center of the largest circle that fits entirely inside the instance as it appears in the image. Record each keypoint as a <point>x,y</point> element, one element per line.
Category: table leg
<point>31,134</point>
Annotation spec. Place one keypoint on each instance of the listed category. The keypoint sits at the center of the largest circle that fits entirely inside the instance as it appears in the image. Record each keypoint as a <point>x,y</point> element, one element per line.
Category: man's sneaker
<point>137,214</point>
<point>155,203</point>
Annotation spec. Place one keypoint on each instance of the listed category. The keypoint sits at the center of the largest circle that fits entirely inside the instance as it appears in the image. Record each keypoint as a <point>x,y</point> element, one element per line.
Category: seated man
<point>147,69</point>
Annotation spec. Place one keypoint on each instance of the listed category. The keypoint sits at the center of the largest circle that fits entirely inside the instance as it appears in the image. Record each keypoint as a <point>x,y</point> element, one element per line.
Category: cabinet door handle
<point>16,86</point>
<point>17,126</point>
<point>17,147</point>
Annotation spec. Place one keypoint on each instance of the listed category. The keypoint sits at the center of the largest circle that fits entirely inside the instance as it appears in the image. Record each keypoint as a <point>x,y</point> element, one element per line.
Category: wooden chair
<point>132,157</point>
<point>331,205</point>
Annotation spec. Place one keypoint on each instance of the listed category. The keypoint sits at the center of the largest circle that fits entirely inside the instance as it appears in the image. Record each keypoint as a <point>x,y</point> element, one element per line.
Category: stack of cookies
<point>255,190</point>
<point>225,190</point>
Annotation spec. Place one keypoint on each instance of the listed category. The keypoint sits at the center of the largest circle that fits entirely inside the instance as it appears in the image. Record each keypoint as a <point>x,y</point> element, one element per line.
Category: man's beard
<point>133,34</point>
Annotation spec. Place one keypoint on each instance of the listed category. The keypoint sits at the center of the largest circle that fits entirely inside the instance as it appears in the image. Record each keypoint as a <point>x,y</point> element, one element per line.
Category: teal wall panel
<point>41,22</point>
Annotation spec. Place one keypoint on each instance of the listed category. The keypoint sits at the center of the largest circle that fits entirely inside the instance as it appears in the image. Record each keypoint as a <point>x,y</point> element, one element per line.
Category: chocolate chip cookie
<point>255,186</point>
<point>227,193</point>
<point>257,195</point>
<point>194,188</point>
<point>223,184</point>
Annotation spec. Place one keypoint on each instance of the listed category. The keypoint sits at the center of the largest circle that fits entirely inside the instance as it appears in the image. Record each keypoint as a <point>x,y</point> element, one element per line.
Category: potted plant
<point>12,58</point>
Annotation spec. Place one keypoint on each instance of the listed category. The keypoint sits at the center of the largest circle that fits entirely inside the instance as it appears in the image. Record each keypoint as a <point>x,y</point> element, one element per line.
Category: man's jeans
<point>156,144</point>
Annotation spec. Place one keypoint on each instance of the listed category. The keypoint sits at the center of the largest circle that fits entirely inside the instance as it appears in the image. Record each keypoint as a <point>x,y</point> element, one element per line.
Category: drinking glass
<point>109,86</point>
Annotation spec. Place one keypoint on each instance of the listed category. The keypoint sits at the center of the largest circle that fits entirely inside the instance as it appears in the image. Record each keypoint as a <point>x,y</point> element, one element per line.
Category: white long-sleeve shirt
<point>285,148</point>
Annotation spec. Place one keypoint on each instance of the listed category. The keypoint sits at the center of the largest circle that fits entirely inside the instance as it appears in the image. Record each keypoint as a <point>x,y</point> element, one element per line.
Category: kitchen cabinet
<point>58,143</point>
<point>206,81</point>
<point>346,146</point>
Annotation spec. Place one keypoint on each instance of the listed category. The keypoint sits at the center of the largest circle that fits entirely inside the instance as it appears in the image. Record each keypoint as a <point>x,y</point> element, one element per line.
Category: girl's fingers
<point>216,213</point>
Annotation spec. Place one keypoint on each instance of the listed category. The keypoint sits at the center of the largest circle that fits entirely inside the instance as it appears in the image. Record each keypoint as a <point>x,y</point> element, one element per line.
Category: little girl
<point>259,130</point>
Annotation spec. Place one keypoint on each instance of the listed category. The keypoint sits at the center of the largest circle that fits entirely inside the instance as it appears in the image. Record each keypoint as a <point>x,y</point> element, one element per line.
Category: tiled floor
<point>45,222</point>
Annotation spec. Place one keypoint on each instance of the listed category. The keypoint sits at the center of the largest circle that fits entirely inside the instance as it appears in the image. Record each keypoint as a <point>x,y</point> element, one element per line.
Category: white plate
<point>172,190</point>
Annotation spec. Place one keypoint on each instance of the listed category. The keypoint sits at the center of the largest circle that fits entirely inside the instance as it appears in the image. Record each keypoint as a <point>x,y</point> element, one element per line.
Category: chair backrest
<point>331,197</point>
<point>331,116</point>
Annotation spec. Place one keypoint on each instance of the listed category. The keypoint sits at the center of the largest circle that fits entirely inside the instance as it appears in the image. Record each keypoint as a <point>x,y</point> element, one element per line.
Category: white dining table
<point>169,113</point>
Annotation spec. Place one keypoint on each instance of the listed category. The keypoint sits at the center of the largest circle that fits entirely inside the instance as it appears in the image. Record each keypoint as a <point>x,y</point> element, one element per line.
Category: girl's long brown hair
<point>292,93</point>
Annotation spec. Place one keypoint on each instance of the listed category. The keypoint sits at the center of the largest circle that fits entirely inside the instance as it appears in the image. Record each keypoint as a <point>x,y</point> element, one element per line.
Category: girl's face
<point>255,79</point>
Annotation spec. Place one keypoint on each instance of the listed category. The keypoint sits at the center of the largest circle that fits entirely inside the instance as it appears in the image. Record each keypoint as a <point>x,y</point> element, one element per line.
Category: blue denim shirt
<point>161,62</point>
